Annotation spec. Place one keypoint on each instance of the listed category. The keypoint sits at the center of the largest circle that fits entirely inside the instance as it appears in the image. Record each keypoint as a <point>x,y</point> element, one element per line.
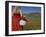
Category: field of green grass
<point>35,22</point>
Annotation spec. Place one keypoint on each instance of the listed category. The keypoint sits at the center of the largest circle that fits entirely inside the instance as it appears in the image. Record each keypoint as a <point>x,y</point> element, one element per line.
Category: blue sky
<point>27,9</point>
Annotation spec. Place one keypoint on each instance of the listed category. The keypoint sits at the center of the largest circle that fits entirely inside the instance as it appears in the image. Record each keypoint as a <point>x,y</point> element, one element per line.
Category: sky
<point>26,9</point>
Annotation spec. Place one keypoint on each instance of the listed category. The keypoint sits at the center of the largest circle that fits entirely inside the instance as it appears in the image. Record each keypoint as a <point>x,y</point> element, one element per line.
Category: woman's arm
<point>27,19</point>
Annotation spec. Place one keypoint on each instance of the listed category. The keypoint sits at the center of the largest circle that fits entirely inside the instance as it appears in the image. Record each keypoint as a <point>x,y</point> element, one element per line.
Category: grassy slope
<point>35,23</point>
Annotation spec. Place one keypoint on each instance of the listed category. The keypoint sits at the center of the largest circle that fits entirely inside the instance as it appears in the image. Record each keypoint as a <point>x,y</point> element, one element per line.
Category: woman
<point>17,16</point>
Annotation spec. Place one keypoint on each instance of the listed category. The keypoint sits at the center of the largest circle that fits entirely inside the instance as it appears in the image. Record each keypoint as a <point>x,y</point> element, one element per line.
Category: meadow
<point>35,24</point>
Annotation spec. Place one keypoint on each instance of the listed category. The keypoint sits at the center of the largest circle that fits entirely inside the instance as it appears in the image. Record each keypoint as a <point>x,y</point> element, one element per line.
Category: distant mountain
<point>33,13</point>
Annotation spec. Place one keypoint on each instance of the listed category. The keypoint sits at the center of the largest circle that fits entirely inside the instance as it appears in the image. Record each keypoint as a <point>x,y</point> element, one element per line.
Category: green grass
<point>35,23</point>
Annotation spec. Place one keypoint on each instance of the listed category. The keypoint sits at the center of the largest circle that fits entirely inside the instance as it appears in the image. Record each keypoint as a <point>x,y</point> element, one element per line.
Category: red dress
<point>15,22</point>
